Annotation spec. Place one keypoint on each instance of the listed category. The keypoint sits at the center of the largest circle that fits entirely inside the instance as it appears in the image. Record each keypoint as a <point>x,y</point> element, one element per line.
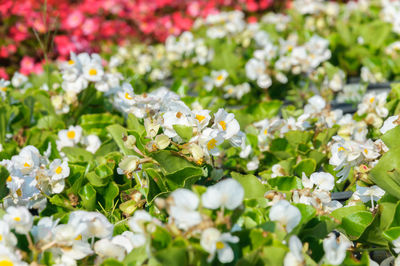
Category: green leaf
<point>306,166</point>
<point>88,197</point>
<point>134,124</point>
<point>285,183</point>
<point>173,256</point>
<point>185,132</point>
<point>117,132</point>
<point>169,162</point>
<point>3,179</point>
<point>340,213</point>
<point>76,154</point>
<point>253,188</point>
<point>136,257</point>
<point>386,173</point>
<point>50,122</point>
<point>112,262</point>
<point>356,223</point>
<point>3,124</point>
<point>391,137</point>
<point>392,233</point>
<point>111,192</point>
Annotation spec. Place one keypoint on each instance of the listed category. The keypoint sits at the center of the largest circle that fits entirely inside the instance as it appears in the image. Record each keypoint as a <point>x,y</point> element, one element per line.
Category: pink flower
<point>3,73</point>
<point>74,20</point>
<point>27,65</point>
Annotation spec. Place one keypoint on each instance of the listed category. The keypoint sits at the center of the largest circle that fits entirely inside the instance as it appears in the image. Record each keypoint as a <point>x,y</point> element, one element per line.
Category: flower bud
<point>162,141</point>
<point>130,142</point>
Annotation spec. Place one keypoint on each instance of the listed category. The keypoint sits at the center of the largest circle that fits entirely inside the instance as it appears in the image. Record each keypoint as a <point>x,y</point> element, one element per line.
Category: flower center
<point>178,114</point>
<point>200,117</point>
<point>128,96</point>
<point>6,263</point>
<point>341,149</point>
<point>9,179</point>
<point>92,72</point>
<point>220,245</point>
<point>19,194</point>
<point>222,124</point>
<point>58,170</point>
<point>71,134</point>
<point>211,144</point>
<point>265,131</point>
<point>220,77</point>
<point>71,62</point>
<point>365,151</point>
<point>27,164</point>
<point>372,99</point>
<point>4,89</point>
<point>17,219</point>
<point>79,237</point>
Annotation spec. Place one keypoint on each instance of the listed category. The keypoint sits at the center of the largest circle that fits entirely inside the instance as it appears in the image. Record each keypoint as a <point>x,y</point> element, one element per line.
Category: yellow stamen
<point>19,193</point>
<point>372,99</point>
<point>9,179</point>
<point>211,144</point>
<point>17,219</point>
<point>128,96</point>
<point>71,134</point>
<point>220,245</point>
<point>341,149</point>
<point>220,77</point>
<point>92,72</point>
<point>58,170</point>
<point>200,117</point>
<point>4,89</point>
<point>230,91</point>
<point>222,124</point>
<point>71,62</point>
<point>27,164</point>
<point>79,237</point>
<point>178,114</point>
<point>265,131</point>
<point>1,237</point>
<point>365,151</point>
<point>6,263</point>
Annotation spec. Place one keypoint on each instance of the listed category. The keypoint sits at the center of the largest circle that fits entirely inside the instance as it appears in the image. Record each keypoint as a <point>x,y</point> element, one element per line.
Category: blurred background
<point>34,31</point>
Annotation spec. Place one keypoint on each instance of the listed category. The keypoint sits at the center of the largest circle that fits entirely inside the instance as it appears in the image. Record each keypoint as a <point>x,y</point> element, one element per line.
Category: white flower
<point>93,71</point>
<point>183,208</point>
<point>209,140</point>
<point>96,223</point>
<point>396,244</point>
<point>294,257</point>
<point>8,257</point>
<point>219,77</point>
<point>286,214</point>
<point>277,170</point>
<point>315,105</point>
<point>323,181</point>
<point>92,143</point>
<point>3,87</point>
<point>373,103</point>
<point>59,170</point>
<point>18,79</point>
<point>335,248</point>
<point>7,238</point>
<point>214,242</point>
<point>390,123</point>
<point>19,218</point>
<point>201,118</point>
<point>72,241</point>
<point>373,193</point>
<point>226,123</point>
<point>69,137</point>
<point>27,160</point>
<point>107,248</point>
<point>228,193</point>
